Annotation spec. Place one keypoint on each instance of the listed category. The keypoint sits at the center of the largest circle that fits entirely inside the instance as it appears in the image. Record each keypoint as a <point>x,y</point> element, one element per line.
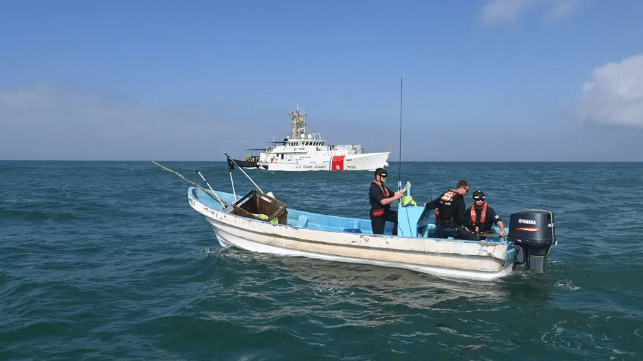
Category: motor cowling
<point>533,234</point>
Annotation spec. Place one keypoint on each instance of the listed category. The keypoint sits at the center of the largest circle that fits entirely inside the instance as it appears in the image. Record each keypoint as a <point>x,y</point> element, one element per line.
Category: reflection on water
<point>372,283</point>
<point>526,286</point>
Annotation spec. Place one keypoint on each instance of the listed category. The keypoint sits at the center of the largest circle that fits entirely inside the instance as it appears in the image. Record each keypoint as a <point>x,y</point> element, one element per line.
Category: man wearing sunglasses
<point>450,216</point>
<point>381,198</point>
<point>482,216</point>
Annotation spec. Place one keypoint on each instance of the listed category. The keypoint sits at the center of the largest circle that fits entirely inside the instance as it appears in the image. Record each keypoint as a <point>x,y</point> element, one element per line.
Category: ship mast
<point>298,126</point>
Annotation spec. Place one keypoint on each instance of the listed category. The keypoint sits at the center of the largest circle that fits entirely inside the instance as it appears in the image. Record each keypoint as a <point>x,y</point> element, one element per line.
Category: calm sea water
<point>106,260</point>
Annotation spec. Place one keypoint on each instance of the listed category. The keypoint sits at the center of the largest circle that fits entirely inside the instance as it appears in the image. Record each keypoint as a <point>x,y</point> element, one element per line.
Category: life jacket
<point>483,216</point>
<point>380,212</point>
<point>445,210</point>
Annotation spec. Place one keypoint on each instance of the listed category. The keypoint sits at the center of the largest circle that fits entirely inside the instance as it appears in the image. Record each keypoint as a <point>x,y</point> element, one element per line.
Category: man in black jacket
<point>381,197</point>
<point>450,216</point>
<point>482,216</point>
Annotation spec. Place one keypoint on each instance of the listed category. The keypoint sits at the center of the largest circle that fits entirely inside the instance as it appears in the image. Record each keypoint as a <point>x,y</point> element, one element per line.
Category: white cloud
<point>48,108</point>
<point>561,10</point>
<point>615,95</point>
<point>52,121</point>
<point>504,11</point>
<point>508,11</point>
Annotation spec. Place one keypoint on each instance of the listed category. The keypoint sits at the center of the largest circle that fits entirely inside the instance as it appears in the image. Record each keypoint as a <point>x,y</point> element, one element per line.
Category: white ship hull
<point>302,151</point>
<point>365,161</point>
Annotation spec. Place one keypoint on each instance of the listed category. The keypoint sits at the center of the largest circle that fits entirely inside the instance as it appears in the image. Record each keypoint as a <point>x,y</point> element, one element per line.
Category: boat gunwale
<point>489,249</point>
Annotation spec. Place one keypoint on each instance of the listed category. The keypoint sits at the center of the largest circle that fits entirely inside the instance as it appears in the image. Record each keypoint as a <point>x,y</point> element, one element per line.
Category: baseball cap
<point>478,195</point>
<point>381,171</point>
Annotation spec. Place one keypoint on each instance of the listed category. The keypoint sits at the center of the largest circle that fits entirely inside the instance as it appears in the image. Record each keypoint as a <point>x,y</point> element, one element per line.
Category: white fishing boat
<point>259,223</point>
<point>303,151</point>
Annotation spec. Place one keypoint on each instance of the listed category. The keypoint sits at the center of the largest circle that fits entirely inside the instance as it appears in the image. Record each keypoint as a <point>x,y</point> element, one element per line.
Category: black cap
<point>478,195</point>
<point>381,171</point>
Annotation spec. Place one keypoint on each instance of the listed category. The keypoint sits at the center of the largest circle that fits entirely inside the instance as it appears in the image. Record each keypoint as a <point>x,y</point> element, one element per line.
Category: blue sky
<point>524,80</point>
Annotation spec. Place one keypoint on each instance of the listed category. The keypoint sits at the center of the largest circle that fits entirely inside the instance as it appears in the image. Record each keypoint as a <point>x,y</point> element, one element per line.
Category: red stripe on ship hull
<point>337,163</point>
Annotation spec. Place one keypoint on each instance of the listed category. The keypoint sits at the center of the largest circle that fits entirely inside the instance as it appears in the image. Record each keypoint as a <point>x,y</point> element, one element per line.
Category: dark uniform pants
<point>378,223</point>
<point>455,232</point>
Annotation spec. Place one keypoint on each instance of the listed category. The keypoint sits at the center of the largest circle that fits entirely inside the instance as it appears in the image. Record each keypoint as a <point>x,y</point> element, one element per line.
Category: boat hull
<point>452,258</point>
<point>245,164</point>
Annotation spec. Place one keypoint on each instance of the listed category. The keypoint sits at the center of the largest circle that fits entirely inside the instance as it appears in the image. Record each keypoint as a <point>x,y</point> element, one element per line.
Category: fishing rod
<point>230,168</point>
<point>223,203</point>
<point>235,163</point>
<point>213,192</point>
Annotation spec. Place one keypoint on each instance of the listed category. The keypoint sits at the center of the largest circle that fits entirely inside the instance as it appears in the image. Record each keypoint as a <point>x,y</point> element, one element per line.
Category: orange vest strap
<point>483,214</point>
<point>385,191</point>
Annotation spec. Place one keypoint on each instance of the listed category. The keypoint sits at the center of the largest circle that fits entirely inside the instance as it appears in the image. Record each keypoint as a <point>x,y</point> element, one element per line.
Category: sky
<point>500,80</point>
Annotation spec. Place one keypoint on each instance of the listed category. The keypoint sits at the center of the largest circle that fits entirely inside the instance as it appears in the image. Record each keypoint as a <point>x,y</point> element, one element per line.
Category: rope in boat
<point>224,203</point>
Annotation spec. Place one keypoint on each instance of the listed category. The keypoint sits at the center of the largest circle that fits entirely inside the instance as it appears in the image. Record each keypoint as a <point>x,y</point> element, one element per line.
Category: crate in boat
<point>256,203</point>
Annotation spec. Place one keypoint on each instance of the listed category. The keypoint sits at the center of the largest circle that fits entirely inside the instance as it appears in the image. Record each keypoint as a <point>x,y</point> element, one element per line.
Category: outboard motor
<point>532,232</point>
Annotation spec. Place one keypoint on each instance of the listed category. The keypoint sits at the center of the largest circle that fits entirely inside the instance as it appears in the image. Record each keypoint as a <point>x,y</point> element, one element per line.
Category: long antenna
<point>399,173</point>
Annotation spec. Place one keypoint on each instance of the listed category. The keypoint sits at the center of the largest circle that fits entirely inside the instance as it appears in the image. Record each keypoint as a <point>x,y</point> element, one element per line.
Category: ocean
<point>107,261</point>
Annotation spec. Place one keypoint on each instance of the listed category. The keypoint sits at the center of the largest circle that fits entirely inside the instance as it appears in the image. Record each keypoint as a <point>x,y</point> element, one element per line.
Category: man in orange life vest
<point>450,217</point>
<point>482,216</point>
<point>381,198</point>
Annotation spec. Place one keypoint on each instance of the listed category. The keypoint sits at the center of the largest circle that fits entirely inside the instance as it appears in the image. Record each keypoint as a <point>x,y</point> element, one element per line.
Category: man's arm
<point>461,215</point>
<point>396,196</point>
<point>433,204</point>
<point>497,220</point>
<point>502,228</point>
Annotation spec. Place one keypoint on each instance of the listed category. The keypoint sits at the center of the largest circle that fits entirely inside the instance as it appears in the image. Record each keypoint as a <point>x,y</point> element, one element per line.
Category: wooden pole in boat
<point>235,163</point>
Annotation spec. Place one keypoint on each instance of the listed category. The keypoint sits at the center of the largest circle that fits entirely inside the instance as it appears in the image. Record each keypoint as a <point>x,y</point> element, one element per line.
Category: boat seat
<point>302,221</point>
<point>356,228</point>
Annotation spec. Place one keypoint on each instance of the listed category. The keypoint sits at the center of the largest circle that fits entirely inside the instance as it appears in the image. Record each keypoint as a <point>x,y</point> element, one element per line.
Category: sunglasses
<point>478,199</point>
<point>383,175</point>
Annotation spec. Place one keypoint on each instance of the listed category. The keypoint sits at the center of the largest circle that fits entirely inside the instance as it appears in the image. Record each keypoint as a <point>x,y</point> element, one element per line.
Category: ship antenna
<point>399,172</point>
